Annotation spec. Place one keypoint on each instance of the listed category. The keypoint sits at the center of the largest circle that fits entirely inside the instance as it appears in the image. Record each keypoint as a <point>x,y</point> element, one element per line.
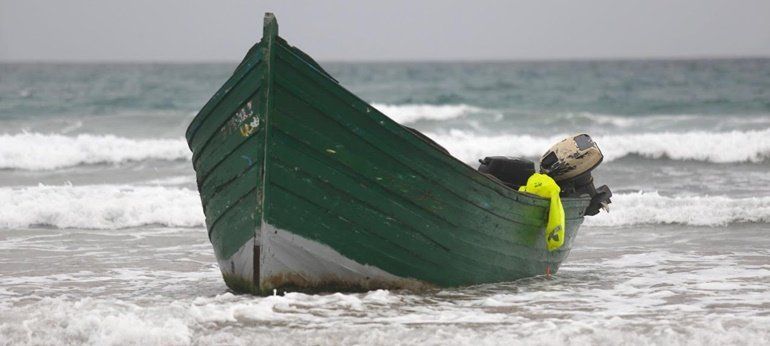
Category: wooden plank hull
<point>307,187</point>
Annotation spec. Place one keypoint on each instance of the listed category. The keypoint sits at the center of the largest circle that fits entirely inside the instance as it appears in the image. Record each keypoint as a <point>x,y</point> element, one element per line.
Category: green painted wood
<point>228,156</point>
<point>386,219</point>
<point>236,226</point>
<point>303,210</point>
<point>224,97</point>
<point>226,172</point>
<point>221,202</point>
<point>403,172</point>
<point>223,115</point>
<point>436,215</point>
<point>325,165</point>
<point>221,142</point>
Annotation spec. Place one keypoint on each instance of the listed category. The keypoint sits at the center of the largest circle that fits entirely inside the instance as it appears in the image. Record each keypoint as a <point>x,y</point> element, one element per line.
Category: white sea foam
<point>99,206</point>
<point>618,294</point>
<point>410,113</point>
<point>652,208</point>
<point>718,147</point>
<point>37,151</point>
<point>350,319</point>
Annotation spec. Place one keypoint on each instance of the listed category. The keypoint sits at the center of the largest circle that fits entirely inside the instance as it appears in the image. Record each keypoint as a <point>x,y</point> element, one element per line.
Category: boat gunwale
<point>197,154</point>
<point>222,92</point>
<point>433,152</point>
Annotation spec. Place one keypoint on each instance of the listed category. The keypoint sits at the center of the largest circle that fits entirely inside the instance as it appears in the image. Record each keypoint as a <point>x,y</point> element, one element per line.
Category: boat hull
<point>307,187</point>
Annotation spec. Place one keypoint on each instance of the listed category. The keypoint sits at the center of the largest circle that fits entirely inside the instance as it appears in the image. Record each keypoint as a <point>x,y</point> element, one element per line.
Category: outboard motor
<point>570,163</point>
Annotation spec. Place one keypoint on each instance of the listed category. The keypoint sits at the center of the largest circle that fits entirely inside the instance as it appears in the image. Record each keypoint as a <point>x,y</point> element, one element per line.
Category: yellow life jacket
<point>544,186</point>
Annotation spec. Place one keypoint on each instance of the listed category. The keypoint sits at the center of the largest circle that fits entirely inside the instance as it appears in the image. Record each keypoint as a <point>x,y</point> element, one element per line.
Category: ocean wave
<point>410,113</point>
<point>717,147</point>
<point>37,151</point>
<point>601,119</point>
<point>661,120</point>
<point>122,206</point>
<point>99,207</point>
<point>652,208</point>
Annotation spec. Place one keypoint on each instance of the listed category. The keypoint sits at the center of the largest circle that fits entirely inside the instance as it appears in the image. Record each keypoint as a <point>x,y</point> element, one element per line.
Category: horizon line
<point>395,61</point>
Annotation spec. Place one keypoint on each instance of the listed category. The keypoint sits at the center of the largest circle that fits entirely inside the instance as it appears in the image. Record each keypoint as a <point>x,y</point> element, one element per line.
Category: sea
<point>102,236</point>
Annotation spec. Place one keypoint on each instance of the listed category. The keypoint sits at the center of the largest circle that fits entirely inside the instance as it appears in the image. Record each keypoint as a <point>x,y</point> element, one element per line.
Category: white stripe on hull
<point>240,264</point>
<point>291,260</point>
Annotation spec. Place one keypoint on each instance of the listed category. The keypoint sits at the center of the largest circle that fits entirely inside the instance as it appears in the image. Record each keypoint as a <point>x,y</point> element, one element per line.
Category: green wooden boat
<point>307,187</point>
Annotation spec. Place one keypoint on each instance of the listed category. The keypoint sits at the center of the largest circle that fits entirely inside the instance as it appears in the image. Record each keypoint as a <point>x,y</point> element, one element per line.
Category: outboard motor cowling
<point>571,157</point>
<point>570,163</point>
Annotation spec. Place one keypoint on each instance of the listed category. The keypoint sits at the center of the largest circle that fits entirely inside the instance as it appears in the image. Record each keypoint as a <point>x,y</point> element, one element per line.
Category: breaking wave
<point>122,206</point>
<point>698,121</point>
<point>37,151</point>
<point>411,113</point>
<point>99,207</point>
<point>652,208</point>
<point>717,147</point>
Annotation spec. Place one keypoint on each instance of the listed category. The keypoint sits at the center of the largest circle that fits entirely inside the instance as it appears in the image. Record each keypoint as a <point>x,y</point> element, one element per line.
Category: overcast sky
<point>223,30</point>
